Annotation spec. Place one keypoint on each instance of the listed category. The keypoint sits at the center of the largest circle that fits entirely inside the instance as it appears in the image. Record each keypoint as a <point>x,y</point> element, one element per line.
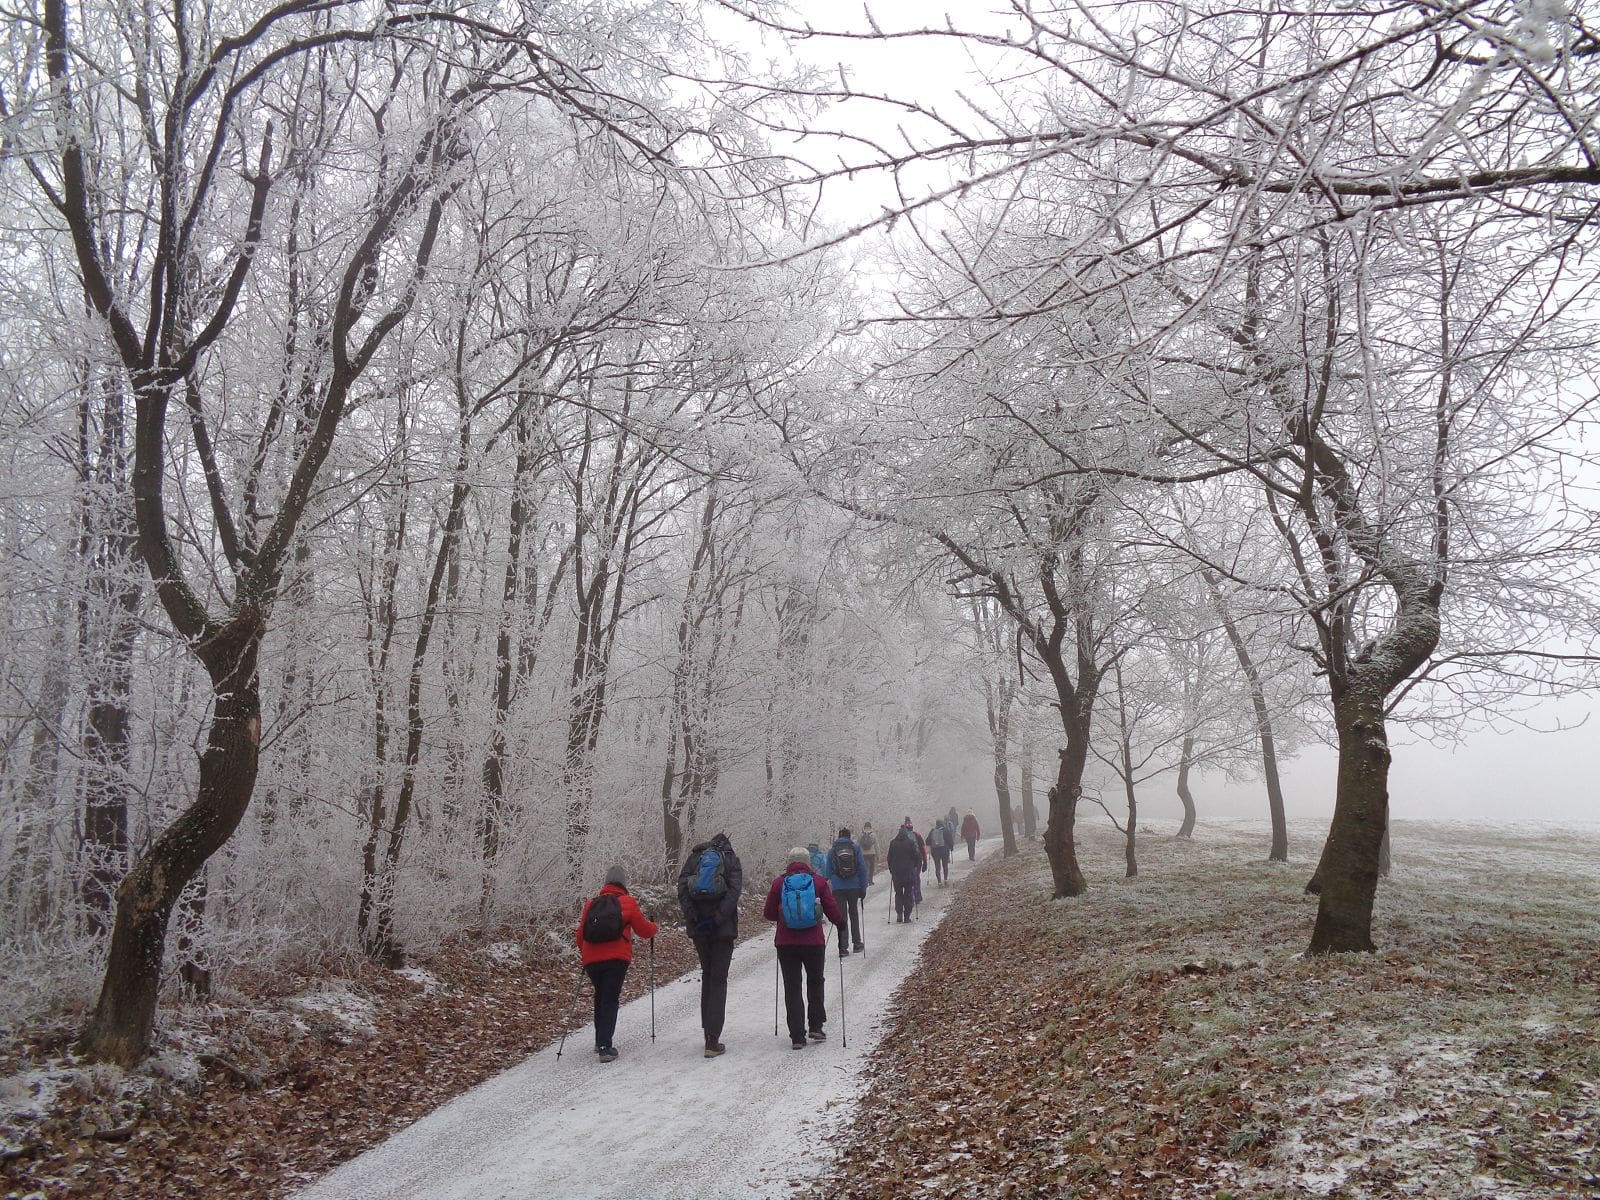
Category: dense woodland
<point>448,448</point>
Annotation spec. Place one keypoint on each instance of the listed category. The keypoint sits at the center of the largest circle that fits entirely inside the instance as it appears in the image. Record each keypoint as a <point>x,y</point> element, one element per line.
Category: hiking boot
<point>817,1035</point>
<point>714,1048</point>
<point>798,1045</point>
<point>844,951</point>
<point>859,948</point>
<point>607,1053</point>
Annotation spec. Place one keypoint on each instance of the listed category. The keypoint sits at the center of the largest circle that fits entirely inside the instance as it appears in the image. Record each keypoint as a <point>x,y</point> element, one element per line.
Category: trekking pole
<point>567,1024</point>
<point>844,1027</point>
<point>652,991</point>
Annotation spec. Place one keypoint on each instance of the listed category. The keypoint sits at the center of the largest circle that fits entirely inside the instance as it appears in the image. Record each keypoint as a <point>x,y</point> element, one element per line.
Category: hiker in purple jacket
<point>802,946</point>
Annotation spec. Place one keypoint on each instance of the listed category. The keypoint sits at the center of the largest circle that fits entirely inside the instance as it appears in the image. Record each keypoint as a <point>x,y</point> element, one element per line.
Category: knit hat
<point>800,855</point>
<point>844,832</point>
<point>617,876</point>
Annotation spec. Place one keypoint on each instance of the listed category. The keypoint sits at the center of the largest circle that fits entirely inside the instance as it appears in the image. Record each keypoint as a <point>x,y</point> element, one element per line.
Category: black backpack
<point>844,861</point>
<point>603,920</point>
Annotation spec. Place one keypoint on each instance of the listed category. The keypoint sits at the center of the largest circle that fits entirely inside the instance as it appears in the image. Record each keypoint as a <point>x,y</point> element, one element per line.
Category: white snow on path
<point>663,1122</point>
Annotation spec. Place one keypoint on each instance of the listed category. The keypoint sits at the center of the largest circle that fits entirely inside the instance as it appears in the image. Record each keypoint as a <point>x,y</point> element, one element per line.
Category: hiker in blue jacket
<point>847,876</point>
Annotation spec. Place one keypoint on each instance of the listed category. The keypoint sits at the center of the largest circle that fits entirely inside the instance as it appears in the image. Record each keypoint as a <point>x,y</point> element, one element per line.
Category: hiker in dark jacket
<point>969,831</point>
<point>849,886</point>
<point>803,948</point>
<point>922,849</point>
<point>708,893</point>
<point>606,962</point>
<point>938,842</point>
<point>905,864</point>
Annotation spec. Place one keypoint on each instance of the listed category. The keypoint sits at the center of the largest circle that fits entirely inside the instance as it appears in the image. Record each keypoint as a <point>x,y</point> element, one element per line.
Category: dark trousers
<point>972,849</point>
<point>941,863</point>
<point>905,897</point>
<point>791,961</point>
<point>851,899</point>
<point>607,978</point>
<point>715,954</point>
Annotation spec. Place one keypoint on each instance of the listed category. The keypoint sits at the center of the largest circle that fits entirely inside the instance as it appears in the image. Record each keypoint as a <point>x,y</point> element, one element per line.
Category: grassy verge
<point>1162,1037</point>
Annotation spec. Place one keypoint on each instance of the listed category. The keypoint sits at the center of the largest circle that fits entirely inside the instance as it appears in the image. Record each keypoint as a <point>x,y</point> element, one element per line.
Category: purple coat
<point>816,935</point>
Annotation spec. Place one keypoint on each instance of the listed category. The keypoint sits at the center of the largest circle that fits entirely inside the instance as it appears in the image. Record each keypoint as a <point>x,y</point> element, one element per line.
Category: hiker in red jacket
<point>969,831</point>
<point>797,901</point>
<point>606,945</point>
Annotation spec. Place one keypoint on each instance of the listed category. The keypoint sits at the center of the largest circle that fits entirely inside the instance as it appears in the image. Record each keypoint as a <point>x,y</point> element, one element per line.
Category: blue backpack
<point>712,879</point>
<point>799,901</point>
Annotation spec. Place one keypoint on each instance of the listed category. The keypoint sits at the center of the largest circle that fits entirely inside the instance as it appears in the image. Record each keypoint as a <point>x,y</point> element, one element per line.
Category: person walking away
<point>605,943</point>
<point>904,861</point>
<point>847,876</point>
<point>798,900</point>
<point>953,820</point>
<point>939,847</point>
<point>708,895</point>
<point>819,860</point>
<point>969,830</point>
<point>922,850</point>
<point>869,849</point>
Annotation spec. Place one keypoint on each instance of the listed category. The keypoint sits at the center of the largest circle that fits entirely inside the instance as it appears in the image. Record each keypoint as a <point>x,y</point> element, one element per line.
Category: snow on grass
<point>336,1002</point>
<point>505,953</point>
<point>1174,1034</point>
<point>426,980</point>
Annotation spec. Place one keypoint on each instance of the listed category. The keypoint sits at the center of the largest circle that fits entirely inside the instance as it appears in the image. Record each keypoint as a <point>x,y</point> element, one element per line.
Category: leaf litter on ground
<point>284,1078</point>
<point>1163,1036</point>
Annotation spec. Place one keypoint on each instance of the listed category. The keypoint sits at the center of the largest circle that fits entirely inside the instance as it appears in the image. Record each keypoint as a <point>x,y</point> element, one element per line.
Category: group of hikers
<point>815,886</point>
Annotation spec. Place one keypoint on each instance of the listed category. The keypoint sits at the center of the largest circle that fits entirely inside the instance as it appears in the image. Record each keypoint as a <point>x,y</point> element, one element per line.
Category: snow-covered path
<point>663,1122</point>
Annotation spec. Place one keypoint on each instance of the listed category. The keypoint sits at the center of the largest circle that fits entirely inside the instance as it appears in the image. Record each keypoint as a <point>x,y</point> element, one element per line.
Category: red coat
<point>969,828</point>
<point>633,921</point>
<point>816,935</point>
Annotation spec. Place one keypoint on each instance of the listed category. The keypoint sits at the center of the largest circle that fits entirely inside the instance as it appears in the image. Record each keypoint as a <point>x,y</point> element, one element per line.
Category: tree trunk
<point>1030,814</point>
<point>1269,750</point>
<point>1130,857</point>
<point>1060,838</point>
<point>28,873</point>
<point>1349,867</point>
<point>1002,791</point>
<point>1077,712</point>
<point>119,1030</point>
<point>108,630</point>
<point>491,819</point>
<point>671,826</point>
<point>380,943</point>
<point>192,968</point>
<point>106,751</point>
<point>1000,739</point>
<point>380,638</point>
<point>1185,762</point>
